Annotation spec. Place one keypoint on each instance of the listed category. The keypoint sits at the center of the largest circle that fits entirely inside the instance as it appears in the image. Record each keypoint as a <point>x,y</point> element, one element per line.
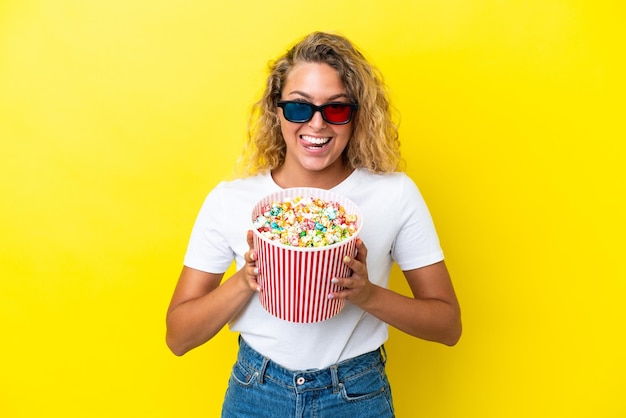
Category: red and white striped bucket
<point>296,281</point>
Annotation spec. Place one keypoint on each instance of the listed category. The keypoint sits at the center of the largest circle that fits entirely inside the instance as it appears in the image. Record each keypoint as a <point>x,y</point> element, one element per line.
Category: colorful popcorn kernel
<point>306,222</point>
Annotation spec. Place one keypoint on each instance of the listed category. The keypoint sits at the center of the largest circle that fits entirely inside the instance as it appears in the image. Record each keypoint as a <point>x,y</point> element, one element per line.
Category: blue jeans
<point>259,388</point>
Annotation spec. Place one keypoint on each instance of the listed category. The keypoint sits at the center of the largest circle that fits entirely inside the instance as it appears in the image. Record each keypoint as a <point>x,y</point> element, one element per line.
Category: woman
<point>324,121</point>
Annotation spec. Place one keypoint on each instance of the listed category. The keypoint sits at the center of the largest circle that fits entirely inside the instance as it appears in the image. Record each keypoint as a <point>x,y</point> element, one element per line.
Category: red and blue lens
<point>335,113</point>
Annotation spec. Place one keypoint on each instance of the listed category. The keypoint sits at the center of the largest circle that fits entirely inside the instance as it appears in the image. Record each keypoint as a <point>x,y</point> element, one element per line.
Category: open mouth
<point>314,142</point>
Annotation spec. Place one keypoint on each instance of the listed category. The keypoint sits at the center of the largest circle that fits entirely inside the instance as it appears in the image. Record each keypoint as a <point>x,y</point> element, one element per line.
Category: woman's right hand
<point>250,270</point>
<point>202,304</point>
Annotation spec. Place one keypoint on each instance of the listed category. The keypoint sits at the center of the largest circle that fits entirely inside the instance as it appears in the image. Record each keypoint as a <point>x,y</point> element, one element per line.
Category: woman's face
<point>316,146</point>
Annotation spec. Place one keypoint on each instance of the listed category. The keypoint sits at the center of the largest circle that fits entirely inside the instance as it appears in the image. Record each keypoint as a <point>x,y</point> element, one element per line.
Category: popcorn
<point>301,236</point>
<point>305,221</point>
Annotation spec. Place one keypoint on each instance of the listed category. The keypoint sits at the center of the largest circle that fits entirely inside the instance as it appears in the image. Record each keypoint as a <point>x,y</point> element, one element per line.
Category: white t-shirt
<point>396,227</point>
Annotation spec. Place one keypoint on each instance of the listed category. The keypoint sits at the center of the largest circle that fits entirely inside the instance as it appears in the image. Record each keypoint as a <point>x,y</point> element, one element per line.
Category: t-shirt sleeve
<point>208,249</point>
<point>417,244</point>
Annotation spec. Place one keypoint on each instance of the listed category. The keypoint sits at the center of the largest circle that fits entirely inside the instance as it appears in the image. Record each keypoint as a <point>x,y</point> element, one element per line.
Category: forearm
<point>195,321</point>
<point>430,319</point>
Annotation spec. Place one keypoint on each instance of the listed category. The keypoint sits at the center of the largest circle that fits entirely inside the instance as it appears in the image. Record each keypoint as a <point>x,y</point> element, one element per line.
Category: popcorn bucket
<point>295,281</point>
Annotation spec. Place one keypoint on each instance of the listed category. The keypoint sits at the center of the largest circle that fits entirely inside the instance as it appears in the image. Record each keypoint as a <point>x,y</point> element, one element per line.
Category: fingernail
<point>331,296</point>
<point>253,256</point>
<point>334,281</point>
<point>256,270</point>
<point>346,259</point>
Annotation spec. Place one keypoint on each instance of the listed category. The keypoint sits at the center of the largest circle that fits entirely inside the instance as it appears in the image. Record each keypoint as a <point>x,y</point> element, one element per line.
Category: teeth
<point>314,140</point>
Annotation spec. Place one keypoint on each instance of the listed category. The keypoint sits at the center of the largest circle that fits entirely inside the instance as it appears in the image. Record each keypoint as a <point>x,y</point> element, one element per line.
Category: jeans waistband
<point>314,379</point>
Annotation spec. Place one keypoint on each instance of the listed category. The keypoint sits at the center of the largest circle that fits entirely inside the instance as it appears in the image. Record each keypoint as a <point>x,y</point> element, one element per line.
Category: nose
<point>317,121</point>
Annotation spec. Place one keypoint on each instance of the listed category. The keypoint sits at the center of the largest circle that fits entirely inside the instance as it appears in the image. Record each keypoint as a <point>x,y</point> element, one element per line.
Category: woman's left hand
<point>356,288</point>
<point>432,313</point>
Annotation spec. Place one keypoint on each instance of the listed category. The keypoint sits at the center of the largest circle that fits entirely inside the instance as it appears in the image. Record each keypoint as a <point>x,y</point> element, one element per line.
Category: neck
<point>319,179</point>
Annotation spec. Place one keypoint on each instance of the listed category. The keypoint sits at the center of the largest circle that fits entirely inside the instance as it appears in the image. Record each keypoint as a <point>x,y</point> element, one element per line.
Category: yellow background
<point>117,117</point>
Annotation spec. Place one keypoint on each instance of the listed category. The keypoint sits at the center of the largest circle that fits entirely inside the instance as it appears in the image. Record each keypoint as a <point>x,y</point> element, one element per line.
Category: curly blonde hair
<point>374,144</point>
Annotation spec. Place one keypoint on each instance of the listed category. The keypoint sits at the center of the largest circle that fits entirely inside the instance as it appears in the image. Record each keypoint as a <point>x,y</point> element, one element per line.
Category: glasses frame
<point>353,108</point>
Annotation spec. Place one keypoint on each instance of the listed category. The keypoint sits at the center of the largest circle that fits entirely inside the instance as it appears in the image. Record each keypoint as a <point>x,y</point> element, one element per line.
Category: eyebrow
<point>307,96</point>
